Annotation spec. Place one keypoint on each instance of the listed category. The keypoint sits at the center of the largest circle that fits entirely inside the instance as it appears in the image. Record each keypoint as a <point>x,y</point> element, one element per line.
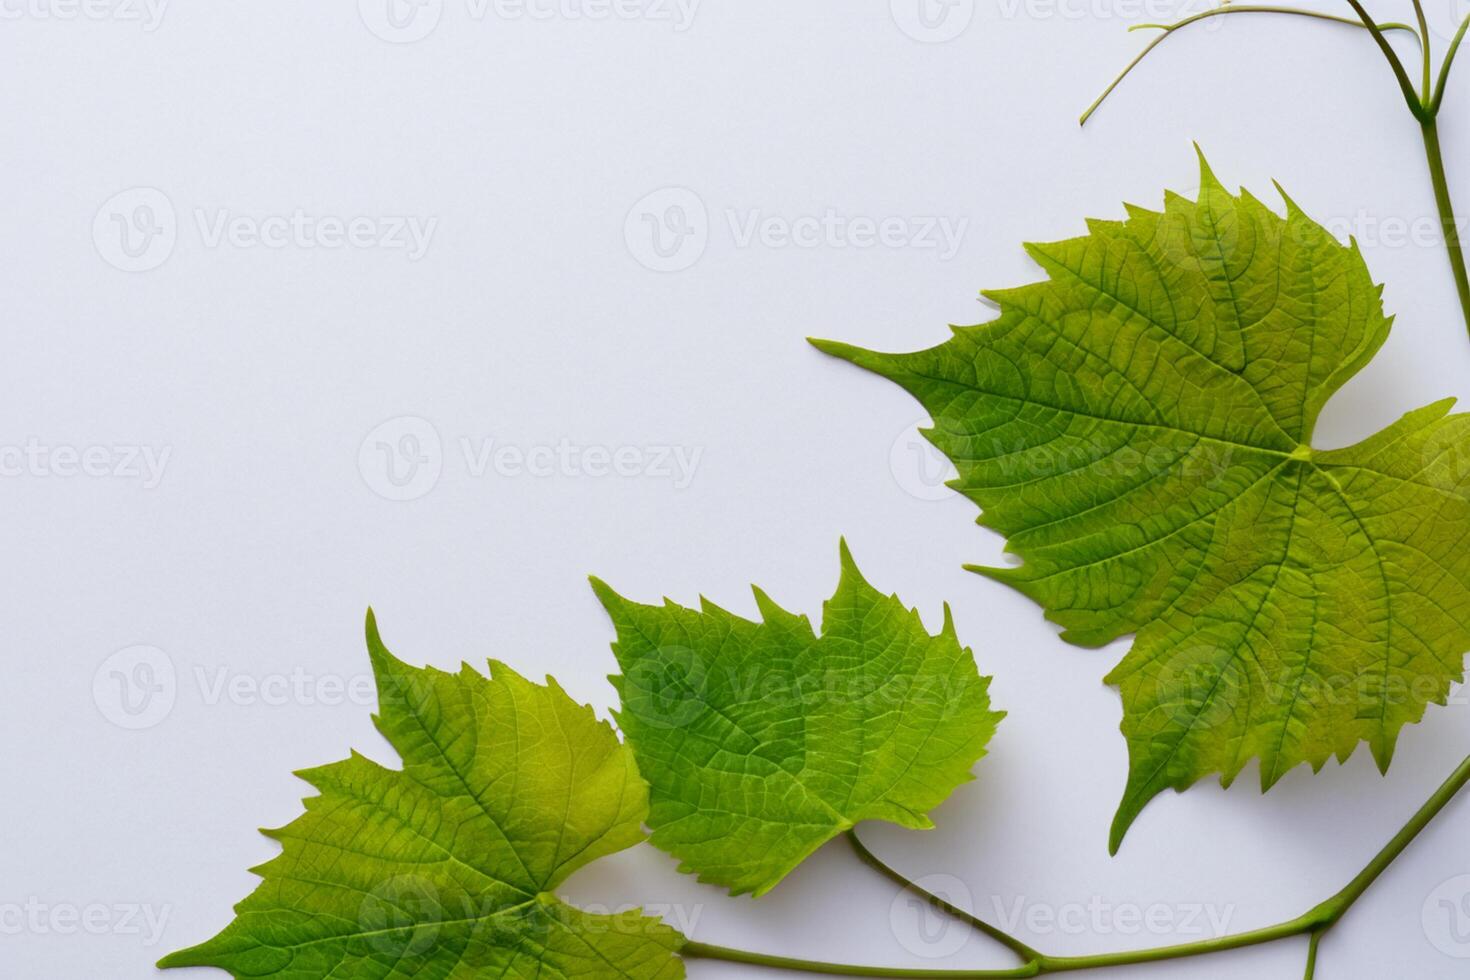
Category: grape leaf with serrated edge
<point>445,868</point>
<point>762,741</point>
<point>1139,425</point>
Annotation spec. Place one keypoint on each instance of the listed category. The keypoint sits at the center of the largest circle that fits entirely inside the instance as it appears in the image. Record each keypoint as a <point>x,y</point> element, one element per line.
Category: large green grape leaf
<point>445,869</point>
<point>1139,427</point>
<point>762,741</point>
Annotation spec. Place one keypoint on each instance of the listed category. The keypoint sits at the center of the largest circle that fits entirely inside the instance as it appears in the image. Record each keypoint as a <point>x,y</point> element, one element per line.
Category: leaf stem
<point>1417,106</point>
<point>1424,47</point>
<point>1444,69</point>
<point>1015,945</point>
<point>1335,906</point>
<point>1169,29</point>
<point>1312,955</point>
<point>1448,226</point>
<point>706,951</point>
<point>1313,923</point>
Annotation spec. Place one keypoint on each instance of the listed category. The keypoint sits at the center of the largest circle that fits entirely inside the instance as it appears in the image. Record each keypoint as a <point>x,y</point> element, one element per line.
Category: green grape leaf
<point>1139,425</point>
<point>446,867</point>
<point>762,741</point>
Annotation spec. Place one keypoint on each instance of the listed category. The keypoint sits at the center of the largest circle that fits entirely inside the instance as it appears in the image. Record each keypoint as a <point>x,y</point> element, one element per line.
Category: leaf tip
<point>850,577</point>
<point>1122,820</point>
<point>499,670</point>
<point>1002,575</point>
<point>1383,754</point>
<point>1207,176</point>
<point>1294,210</point>
<point>378,653</point>
<point>605,593</point>
<point>177,959</point>
<point>769,610</point>
<point>861,357</point>
<point>835,348</point>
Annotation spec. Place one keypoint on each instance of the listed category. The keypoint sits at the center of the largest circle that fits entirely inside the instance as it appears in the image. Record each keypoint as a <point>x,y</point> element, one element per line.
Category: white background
<point>530,320</point>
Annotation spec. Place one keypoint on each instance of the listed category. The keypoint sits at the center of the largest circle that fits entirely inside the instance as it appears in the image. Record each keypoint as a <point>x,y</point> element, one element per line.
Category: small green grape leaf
<point>1139,425</point>
<point>446,867</point>
<point>763,741</point>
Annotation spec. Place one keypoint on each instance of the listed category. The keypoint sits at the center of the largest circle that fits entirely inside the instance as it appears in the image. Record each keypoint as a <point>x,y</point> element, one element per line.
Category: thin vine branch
<point>1312,955</point>
<point>1169,29</point>
<point>1416,105</point>
<point>1026,953</point>
<point>1427,57</point>
<point>1313,924</point>
<point>1444,69</point>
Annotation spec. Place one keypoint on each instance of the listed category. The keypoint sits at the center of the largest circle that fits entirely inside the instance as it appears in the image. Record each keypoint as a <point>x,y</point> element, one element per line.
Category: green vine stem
<point>1312,954</point>
<point>1243,8</point>
<point>1312,924</point>
<point>1026,953</point>
<point>1424,104</point>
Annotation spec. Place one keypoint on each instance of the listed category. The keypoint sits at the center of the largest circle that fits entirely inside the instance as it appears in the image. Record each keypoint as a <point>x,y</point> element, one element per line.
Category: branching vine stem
<point>1424,103</point>
<point>1313,923</point>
